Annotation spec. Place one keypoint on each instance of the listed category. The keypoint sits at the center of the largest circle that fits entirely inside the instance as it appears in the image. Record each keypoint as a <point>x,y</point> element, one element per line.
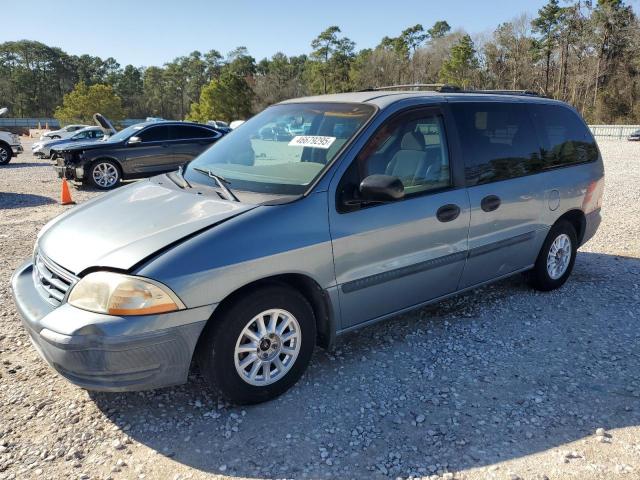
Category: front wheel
<point>5,154</point>
<point>104,174</point>
<point>556,258</point>
<point>259,346</point>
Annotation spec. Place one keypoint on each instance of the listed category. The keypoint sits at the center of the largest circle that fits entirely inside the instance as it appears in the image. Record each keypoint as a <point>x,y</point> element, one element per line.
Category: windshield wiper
<point>220,181</point>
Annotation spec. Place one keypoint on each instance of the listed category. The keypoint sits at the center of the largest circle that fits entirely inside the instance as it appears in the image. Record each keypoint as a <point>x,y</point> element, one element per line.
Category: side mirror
<point>134,141</point>
<point>381,188</point>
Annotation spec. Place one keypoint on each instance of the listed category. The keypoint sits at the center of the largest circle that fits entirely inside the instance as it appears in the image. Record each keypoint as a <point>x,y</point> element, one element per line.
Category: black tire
<point>5,154</point>
<point>540,277</point>
<point>216,349</point>
<point>101,164</point>
<point>55,137</point>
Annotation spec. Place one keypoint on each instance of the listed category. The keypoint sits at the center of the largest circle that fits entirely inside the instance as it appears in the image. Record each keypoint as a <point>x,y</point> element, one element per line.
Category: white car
<point>42,149</point>
<point>63,132</point>
<point>10,145</point>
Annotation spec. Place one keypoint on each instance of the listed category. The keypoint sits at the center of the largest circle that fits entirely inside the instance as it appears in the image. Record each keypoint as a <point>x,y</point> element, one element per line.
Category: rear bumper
<point>17,149</point>
<point>108,353</point>
<point>593,220</point>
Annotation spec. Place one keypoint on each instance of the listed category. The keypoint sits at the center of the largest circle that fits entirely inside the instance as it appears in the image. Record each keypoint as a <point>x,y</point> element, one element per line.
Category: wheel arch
<point>577,218</point>
<point>308,288</point>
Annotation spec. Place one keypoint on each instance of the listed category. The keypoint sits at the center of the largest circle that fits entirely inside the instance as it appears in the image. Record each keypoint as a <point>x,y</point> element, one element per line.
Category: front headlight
<point>119,294</point>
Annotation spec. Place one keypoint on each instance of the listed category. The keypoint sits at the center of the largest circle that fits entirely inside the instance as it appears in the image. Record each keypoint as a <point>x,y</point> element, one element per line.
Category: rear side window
<point>498,141</point>
<point>155,134</point>
<point>564,137</point>
<point>185,132</point>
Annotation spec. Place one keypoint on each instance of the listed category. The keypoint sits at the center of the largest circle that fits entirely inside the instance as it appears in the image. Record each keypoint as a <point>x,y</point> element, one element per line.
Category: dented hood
<point>124,227</point>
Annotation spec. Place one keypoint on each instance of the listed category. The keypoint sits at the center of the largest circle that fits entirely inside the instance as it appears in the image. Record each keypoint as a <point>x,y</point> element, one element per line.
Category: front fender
<point>261,243</point>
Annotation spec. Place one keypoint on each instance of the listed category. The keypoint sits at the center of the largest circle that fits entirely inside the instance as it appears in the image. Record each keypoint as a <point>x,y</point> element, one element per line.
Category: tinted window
<point>565,138</point>
<point>411,147</point>
<point>498,141</point>
<point>97,134</point>
<point>154,134</point>
<point>178,132</point>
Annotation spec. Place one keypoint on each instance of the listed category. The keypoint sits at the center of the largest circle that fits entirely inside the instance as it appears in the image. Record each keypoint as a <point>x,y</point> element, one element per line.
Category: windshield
<point>283,149</point>
<point>124,134</point>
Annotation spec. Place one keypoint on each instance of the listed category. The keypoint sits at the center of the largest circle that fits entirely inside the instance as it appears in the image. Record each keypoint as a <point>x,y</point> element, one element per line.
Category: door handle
<point>448,213</point>
<point>165,145</point>
<point>490,203</point>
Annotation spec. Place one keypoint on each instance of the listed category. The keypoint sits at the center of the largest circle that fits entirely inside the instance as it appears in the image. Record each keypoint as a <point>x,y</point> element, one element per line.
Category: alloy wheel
<point>267,347</point>
<point>105,175</point>
<point>559,256</point>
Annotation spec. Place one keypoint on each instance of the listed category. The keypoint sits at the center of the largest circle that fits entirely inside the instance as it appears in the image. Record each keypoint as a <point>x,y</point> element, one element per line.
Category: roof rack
<point>448,88</point>
<point>505,92</point>
<point>437,87</point>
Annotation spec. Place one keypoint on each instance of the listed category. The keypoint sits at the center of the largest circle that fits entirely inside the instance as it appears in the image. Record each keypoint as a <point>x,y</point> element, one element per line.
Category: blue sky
<point>154,32</point>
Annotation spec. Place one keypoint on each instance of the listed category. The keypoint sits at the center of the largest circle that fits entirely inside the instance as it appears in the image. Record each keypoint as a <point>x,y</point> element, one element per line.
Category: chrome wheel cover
<point>559,256</point>
<point>4,155</point>
<point>105,175</point>
<point>267,347</point>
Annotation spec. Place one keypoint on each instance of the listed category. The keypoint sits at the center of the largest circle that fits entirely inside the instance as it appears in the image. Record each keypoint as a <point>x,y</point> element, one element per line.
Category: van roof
<point>384,98</point>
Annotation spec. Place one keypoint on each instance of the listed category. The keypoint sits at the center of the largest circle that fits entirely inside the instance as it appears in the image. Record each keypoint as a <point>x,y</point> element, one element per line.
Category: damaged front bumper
<point>106,352</point>
<point>68,170</point>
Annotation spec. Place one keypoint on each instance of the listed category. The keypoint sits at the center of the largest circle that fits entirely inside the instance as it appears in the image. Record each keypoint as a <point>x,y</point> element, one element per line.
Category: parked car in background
<point>141,150</point>
<point>279,132</point>
<point>256,251</point>
<point>44,149</point>
<point>63,132</point>
<point>219,125</point>
<point>10,145</point>
<point>634,137</point>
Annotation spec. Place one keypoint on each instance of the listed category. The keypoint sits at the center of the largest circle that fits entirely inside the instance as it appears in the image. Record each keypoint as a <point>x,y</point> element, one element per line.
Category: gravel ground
<point>500,383</point>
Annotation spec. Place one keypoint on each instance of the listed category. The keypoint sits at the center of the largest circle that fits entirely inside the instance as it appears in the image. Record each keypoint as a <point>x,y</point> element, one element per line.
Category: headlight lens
<point>118,294</point>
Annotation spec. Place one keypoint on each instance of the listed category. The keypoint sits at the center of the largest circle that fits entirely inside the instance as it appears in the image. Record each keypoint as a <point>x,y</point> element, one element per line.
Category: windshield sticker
<point>313,141</point>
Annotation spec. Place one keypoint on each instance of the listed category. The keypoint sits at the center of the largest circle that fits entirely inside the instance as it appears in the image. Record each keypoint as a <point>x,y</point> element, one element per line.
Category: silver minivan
<point>259,249</point>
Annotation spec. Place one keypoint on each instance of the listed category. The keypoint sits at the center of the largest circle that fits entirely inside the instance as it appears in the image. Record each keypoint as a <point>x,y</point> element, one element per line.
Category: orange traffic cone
<point>66,194</point>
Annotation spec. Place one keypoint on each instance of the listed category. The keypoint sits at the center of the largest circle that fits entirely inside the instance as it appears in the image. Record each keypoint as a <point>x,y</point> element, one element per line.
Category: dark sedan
<point>142,150</point>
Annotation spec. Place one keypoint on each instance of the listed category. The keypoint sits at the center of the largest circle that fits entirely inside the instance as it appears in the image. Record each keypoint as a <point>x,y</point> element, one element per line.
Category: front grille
<point>52,281</point>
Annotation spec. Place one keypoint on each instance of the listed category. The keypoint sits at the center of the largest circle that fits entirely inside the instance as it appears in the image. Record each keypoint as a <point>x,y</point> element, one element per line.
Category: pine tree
<point>462,64</point>
<point>547,26</point>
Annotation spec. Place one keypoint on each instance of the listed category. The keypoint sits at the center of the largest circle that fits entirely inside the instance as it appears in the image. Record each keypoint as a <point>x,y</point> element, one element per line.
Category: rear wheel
<point>103,174</point>
<point>556,258</point>
<point>5,154</point>
<point>259,346</point>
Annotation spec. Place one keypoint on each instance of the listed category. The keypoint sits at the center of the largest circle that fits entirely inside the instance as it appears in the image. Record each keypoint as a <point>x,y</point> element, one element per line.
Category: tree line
<point>584,52</point>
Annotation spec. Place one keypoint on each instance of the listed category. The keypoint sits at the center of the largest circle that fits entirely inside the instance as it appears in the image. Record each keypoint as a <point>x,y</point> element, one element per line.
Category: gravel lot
<point>500,383</point>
